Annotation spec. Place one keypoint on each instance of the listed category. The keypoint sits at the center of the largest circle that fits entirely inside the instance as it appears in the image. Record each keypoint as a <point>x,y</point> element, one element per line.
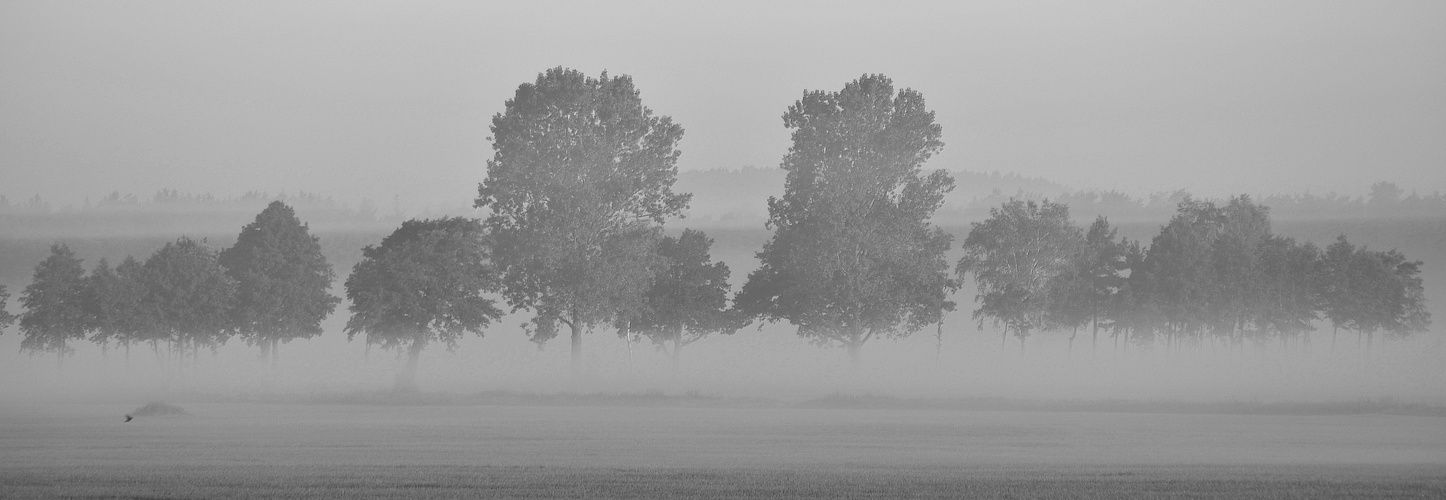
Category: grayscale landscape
<point>743,250</point>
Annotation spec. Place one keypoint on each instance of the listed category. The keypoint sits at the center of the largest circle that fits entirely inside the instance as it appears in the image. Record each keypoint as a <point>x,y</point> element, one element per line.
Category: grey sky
<point>357,100</point>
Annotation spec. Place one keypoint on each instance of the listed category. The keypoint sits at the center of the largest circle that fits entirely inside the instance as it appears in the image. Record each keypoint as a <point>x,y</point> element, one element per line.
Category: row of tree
<point>270,287</point>
<point>1214,273</point>
<point>578,189</point>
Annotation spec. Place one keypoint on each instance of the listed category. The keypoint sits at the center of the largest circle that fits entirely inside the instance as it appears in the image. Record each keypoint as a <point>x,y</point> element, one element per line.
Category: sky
<point>392,101</point>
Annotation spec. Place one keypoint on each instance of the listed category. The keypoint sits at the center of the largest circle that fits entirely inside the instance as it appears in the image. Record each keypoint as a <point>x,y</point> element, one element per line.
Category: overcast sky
<point>378,100</point>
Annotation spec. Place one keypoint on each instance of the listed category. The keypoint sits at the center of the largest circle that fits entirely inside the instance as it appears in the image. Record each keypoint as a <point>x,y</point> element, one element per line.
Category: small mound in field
<point>158,408</point>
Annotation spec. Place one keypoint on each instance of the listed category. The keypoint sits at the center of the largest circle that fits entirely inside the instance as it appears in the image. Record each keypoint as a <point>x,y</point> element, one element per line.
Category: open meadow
<point>258,450</point>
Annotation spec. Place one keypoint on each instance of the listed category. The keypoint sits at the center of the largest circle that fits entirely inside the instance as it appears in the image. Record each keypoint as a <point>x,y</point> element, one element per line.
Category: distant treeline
<point>721,198</point>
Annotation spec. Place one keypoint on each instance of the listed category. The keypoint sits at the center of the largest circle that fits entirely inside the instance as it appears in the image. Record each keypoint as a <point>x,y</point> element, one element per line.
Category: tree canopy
<point>425,283</point>
<point>580,181</point>
<point>853,254</point>
<point>688,299</point>
<point>282,280</point>
<point>191,295</point>
<point>1015,256</point>
<point>54,312</point>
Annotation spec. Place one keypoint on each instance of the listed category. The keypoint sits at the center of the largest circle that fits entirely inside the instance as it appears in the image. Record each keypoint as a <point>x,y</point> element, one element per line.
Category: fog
<point>762,363</point>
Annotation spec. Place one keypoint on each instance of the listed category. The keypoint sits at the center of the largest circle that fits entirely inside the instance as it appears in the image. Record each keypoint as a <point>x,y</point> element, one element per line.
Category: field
<point>236,450</point>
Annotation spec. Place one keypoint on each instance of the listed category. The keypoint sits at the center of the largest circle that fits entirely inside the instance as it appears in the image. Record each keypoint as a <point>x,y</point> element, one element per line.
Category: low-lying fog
<point>771,363</point>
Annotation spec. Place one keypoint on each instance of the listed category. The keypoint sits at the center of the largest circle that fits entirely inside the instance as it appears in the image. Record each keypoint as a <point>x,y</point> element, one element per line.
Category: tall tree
<point>580,181</point>
<point>1178,277</point>
<point>688,299</point>
<point>853,254</point>
<point>1014,256</point>
<point>282,280</point>
<point>1235,285</point>
<point>54,311</point>
<point>191,295</point>
<point>423,284</point>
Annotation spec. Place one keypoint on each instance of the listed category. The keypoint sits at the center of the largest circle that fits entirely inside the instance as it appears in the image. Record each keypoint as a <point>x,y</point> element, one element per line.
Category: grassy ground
<point>362,450</point>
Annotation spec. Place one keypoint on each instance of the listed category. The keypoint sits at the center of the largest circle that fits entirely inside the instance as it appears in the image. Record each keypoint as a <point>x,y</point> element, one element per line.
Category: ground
<point>451,450</point>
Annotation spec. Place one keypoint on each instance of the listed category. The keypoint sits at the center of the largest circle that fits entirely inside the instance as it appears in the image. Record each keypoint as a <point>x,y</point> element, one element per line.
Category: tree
<point>54,312</point>
<point>1235,285</point>
<point>1177,275</point>
<point>116,303</point>
<point>1014,256</point>
<point>1339,301</point>
<point>579,183</point>
<point>424,284</point>
<point>688,299</point>
<point>1289,297</point>
<point>853,255</point>
<point>282,280</point>
<point>191,296</point>
<point>1083,293</point>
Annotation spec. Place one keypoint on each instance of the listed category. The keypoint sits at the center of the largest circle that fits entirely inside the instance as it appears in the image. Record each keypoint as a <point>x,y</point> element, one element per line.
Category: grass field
<point>379,451</point>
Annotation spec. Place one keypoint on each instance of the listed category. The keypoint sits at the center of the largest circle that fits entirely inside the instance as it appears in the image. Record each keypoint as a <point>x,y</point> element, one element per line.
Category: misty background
<point>127,125</point>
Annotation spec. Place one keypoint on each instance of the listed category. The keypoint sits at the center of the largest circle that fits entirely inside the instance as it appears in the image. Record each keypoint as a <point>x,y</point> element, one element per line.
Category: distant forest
<point>721,198</point>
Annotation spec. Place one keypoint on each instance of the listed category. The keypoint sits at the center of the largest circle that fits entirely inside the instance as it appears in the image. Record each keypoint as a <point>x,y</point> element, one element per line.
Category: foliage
<point>190,293</point>
<point>423,284</point>
<point>853,255</point>
<point>688,299</point>
<point>282,279</point>
<point>54,314</point>
<point>578,185</point>
<point>1015,257</point>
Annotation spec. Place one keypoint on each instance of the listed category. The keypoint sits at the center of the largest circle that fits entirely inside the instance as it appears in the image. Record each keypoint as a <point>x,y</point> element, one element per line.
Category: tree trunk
<point>576,350</point>
<point>407,379</point>
<point>1095,336</point>
<point>677,353</point>
<point>275,353</point>
<point>265,345</point>
<point>1074,331</point>
<point>855,358</point>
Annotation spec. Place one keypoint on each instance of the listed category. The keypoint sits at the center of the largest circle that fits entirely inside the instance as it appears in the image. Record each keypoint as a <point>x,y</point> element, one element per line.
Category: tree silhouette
<point>579,183</point>
<point>191,296</point>
<point>1015,255</point>
<point>688,299</point>
<point>853,255</point>
<point>282,280</point>
<point>54,312</point>
<point>423,284</point>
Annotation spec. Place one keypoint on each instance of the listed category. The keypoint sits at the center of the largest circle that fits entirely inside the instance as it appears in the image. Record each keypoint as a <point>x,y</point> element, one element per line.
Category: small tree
<point>54,308</point>
<point>688,299</point>
<point>1015,255</point>
<point>853,255</point>
<point>579,183</point>
<point>282,280</point>
<point>423,284</point>
<point>191,295</point>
